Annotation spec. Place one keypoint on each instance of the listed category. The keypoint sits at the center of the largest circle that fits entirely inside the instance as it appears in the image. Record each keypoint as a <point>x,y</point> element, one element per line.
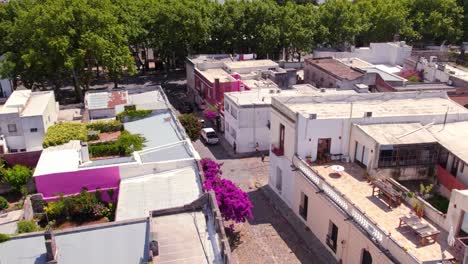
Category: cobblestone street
<point>268,238</point>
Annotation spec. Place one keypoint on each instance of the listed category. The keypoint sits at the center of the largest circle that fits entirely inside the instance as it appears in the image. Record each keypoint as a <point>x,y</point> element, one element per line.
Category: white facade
<point>5,88</point>
<point>307,120</point>
<point>25,117</point>
<point>391,53</point>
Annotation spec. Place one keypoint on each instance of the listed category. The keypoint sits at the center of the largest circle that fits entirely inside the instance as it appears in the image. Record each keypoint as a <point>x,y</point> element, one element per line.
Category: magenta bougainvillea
<point>233,203</point>
<point>210,114</point>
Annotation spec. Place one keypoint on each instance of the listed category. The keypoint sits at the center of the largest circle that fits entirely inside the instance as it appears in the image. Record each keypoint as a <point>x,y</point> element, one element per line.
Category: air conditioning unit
<point>312,116</point>
<point>368,114</point>
<point>345,159</point>
<point>272,91</point>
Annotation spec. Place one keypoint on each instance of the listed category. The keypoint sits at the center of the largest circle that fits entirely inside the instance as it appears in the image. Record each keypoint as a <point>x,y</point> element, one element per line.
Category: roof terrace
<point>350,191</point>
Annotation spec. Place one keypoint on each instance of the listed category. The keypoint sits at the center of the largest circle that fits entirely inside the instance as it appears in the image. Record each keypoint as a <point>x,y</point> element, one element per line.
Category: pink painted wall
<point>70,183</point>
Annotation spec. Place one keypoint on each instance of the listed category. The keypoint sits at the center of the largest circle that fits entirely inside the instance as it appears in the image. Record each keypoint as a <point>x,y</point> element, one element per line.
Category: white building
<point>24,119</point>
<point>310,133</point>
<point>247,114</point>
<point>442,72</point>
<point>103,104</point>
<point>391,53</point>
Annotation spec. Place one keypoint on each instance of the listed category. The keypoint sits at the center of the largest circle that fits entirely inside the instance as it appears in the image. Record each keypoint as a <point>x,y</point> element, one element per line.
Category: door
<point>281,137</point>
<point>303,207</point>
<point>323,148</point>
<point>366,257</point>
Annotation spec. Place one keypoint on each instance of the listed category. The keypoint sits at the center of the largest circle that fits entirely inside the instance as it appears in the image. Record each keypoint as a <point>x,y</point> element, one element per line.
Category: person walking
<point>263,157</point>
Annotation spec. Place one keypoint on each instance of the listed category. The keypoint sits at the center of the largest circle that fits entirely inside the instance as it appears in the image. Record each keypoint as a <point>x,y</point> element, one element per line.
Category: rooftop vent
<point>322,90</point>
<point>368,114</point>
<point>272,91</point>
<point>312,116</point>
<point>278,91</point>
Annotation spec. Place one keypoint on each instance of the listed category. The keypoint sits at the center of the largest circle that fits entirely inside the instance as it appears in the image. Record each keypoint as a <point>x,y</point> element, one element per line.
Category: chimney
<point>51,247</point>
<point>84,152</point>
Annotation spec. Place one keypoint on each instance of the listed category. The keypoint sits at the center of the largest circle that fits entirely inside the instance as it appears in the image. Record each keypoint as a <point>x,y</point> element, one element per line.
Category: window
<point>226,126</point>
<point>22,150</point>
<point>33,130</point>
<point>332,236</point>
<point>408,155</point>
<point>303,207</point>
<point>233,133</point>
<point>279,179</point>
<point>234,112</point>
<point>13,150</point>
<point>462,167</point>
<point>12,128</point>
<point>366,257</point>
<point>226,107</point>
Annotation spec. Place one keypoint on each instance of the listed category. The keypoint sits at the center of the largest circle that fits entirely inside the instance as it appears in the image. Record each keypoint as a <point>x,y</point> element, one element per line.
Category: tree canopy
<point>57,42</point>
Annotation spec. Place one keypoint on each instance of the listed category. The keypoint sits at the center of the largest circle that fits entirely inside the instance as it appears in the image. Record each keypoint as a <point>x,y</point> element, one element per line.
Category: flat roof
<point>398,134</point>
<point>61,158</point>
<point>380,104</point>
<point>457,71</point>
<point>37,103</point>
<point>356,62</point>
<point>259,83</point>
<point>336,68</point>
<point>233,65</point>
<point>152,100</point>
<point>16,101</point>
<point>187,237</point>
<point>357,191</point>
<point>262,97</point>
<point>104,100</point>
<point>140,195</point>
<point>216,73</point>
<point>105,243</point>
<point>425,87</point>
<point>453,137</point>
<point>386,76</point>
<point>201,58</point>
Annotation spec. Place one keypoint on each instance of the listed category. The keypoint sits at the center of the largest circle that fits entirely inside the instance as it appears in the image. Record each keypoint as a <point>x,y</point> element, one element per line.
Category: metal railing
<point>381,238</point>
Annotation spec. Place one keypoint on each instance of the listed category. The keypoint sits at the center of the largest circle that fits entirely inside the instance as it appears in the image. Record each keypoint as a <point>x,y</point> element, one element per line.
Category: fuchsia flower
<point>233,203</point>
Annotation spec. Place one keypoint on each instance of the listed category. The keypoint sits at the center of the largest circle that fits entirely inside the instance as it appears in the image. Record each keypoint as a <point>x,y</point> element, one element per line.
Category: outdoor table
<point>337,169</point>
<point>424,231</point>
<point>382,190</point>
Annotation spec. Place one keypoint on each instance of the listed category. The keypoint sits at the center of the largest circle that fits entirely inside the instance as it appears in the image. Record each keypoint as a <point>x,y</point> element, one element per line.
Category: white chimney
<point>84,152</point>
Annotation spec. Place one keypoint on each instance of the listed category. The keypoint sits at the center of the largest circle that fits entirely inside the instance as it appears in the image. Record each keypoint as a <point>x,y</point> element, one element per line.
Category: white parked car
<point>209,135</point>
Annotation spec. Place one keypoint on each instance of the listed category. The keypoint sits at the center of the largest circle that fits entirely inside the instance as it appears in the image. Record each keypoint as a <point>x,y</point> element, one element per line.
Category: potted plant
<point>418,208</point>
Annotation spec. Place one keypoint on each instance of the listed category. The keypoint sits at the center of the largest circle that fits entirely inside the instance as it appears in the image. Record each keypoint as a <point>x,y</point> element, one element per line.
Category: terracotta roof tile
<point>335,68</point>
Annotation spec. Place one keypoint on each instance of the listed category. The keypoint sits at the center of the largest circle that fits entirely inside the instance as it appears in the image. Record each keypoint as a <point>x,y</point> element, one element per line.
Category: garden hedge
<point>106,126</point>
<point>133,114</point>
<point>119,147</point>
<point>64,132</point>
<point>3,203</point>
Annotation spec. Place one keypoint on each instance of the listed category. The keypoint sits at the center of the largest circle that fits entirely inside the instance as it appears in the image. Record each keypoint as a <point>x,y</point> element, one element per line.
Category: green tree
<point>383,19</point>
<point>27,226</point>
<point>191,125</point>
<point>17,177</point>
<point>298,27</point>
<point>436,20</point>
<point>57,41</point>
<point>342,21</point>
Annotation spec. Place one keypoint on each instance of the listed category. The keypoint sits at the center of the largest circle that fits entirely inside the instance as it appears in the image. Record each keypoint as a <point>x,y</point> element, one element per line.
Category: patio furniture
<point>385,191</point>
<point>424,231</point>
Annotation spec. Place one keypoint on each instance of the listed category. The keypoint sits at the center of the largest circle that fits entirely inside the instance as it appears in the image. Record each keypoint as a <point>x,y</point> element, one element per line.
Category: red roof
<point>336,68</point>
<point>117,98</point>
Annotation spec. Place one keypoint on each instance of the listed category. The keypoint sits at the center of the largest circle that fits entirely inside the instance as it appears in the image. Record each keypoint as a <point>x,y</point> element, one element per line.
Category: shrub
<point>64,132</point>
<point>93,135</point>
<point>85,206</point>
<point>129,107</point>
<point>133,114</point>
<point>191,125</point>
<point>3,203</point>
<point>4,237</point>
<point>105,126</point>
<point>17,177</point>
<point>27,226</point>
<point>120,147</point>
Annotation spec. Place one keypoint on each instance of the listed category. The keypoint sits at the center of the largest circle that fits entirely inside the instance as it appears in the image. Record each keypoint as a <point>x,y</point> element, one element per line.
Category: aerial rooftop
<point>237,65</point>
<point>380,104</point>
<point>117,243</point>
<point>217,73</point>
<point>398,134</point>
<point>335,68</point>
<point>263,96</point>
<point>27,103</point>
<point>453,137</point>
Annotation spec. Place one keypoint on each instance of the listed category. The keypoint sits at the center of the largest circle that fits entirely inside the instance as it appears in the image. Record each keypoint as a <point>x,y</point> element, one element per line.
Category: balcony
<point>277,150</point>
<point>448,180</point>
<point>351,192</point>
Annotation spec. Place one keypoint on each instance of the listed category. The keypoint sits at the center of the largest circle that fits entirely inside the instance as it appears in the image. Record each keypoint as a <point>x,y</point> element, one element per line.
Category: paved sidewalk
<point>312,242</point>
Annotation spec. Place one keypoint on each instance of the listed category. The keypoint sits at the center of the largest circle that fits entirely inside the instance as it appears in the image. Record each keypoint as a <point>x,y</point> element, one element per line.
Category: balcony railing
<point>381,238</point>
<point>277,150</point>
